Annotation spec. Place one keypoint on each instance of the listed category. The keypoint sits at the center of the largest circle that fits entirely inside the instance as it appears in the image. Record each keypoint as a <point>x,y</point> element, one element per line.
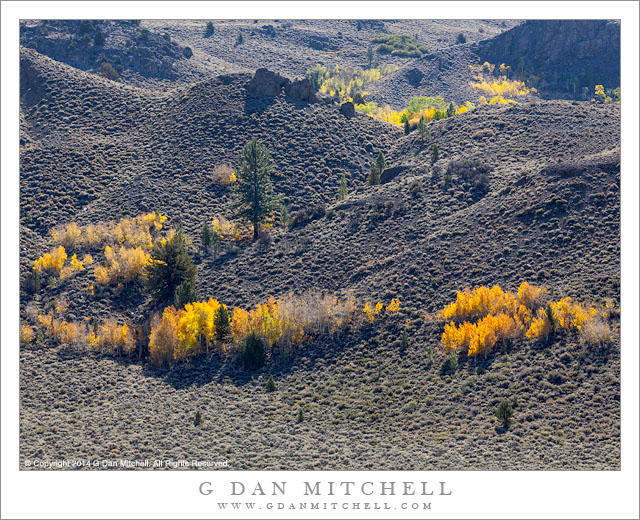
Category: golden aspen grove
<point>503,315</point>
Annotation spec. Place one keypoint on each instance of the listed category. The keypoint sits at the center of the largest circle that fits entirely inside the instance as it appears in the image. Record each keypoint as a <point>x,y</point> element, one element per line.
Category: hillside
<point>525,191</point>
<point>151,54</point>
<point>561,58</point>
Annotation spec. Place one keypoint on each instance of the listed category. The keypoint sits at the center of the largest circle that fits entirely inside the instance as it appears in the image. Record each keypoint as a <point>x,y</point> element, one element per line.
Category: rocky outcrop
<point>301,90</point>
<point>561,58</point>
<point>348,109</point>
<point>268,83</point>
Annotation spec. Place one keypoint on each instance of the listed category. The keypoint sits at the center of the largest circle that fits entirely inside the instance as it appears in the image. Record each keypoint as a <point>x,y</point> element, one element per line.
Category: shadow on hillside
<point>254,104</point>
<point>229,368</point>
<point>257,104</point>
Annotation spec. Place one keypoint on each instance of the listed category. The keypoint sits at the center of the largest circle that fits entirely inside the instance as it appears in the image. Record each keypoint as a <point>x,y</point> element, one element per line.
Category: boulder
<point>348,110</point>
<point>267,83</point>
<point>301,90</point>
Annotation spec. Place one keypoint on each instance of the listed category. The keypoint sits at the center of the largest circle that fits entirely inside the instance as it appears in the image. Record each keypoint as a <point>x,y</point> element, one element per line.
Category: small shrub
<point>197,421</point>
<point>187,52</point>
<point>239,39</point>
<point>206,236</point>
<point>482,133</point>
<point>416,188</point>
<point>27,334</point>
<point>358,98</point>
<point>223,175</point>
<point>98,39</point>
<point>107,70</point>
<point>269,30</point>
<point>253,351</point>
<point>461,38</point>
<point>401,45</point>
<point>423,130</point>
<point>35,281</point>
<point>595,332</point>
<point>404,339</point>
<point>343,188</point>
<point>271,384</point>
<point>208,33</point>
<point>504,412</point>
<point>303,216</point>
<point>374,176</point>
<point>451,364</point>
<point>435,153</point>
<point>300,417</point>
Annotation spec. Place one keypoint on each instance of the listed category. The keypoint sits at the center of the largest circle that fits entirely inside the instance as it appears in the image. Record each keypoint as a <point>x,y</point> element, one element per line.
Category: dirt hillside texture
<point>380,396</point>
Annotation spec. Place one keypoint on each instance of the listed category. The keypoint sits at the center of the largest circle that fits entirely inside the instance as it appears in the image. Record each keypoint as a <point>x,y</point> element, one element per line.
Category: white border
<point>175,494</point>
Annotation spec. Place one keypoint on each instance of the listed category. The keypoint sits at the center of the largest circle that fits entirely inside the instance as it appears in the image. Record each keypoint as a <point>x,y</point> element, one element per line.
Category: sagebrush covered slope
<point>548,212</point>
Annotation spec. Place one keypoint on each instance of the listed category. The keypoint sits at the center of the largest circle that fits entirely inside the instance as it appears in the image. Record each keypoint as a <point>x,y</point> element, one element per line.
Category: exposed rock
<point>267,83</point>
<point>348,110</point>
<point>301,90</point>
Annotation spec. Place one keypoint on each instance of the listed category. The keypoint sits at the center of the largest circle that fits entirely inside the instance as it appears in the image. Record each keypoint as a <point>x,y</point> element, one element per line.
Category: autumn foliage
<point>122,264</point>
<point>52,262</point>
<point>130,232</point>
<point>283,323</point>
<point>494,82</point>
<point>481,318</point>
<point>126,243</point>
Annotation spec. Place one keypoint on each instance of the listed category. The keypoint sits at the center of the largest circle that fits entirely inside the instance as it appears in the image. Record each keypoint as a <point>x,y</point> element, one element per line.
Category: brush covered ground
<point>93,150</point>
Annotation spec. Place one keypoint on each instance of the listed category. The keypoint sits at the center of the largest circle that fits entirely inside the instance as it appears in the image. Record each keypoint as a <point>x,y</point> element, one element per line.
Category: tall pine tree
<point>254,199</point>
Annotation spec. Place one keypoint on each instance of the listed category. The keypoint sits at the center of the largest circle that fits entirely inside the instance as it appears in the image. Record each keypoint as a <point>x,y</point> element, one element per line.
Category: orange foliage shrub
<point>504,315</point>
<point>482,301</point>
<point>500,316</point>
<point>131,232</point>
<point>163,339</point>
<point>27,333</point>
<point>225,229</point>
<point>113,337</point>
<point>51,262</point>
<point>182,333</point>
<point>60,330</point>
<point>122,265</point>
<point>565,315</point>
